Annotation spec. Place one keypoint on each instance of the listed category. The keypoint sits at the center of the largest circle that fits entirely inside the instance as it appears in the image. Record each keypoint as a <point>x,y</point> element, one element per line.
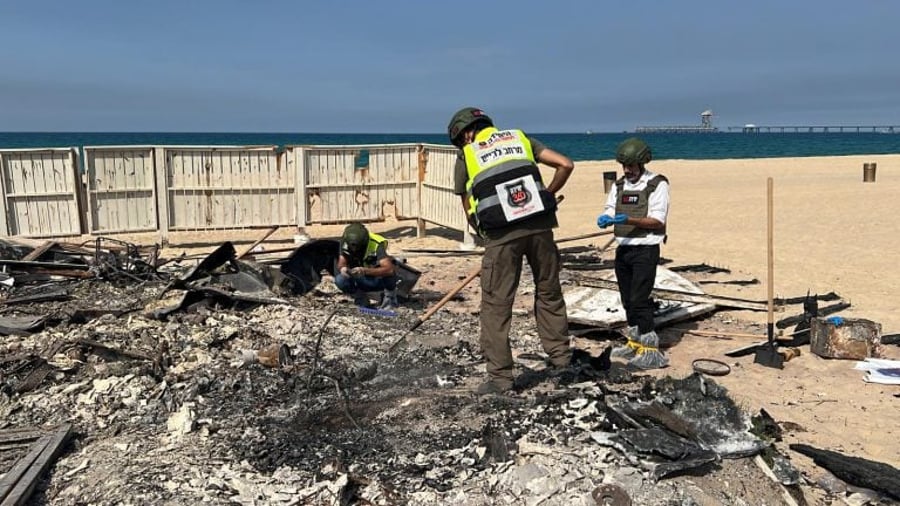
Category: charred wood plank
<point>825,311</point>
<point>50,295</point>
<point>709,269</point>
<point>827,297</point>
<point>38,252</point>
<point>44,265</point>
<point>116,351</point>
<point>17,357</point>
<point>67,273</point>
<point>11,479</point>
<point>75,249</point>
<point>738,282</point>
<point>51,448</point>
<point>85,315</point>
<point>13,331</point>
<point>18,435</point>
<point>856,471</point>
<point>41,370</point>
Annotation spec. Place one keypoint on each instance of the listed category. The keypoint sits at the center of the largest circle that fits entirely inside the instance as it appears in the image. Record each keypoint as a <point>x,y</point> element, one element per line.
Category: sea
<point>577,146</point>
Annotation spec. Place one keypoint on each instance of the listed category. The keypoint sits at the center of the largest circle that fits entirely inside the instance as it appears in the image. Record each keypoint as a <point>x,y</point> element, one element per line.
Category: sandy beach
<point>832,230</point>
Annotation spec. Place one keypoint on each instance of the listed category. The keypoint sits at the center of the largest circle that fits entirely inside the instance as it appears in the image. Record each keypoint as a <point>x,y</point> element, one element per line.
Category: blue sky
<point>405,66</point>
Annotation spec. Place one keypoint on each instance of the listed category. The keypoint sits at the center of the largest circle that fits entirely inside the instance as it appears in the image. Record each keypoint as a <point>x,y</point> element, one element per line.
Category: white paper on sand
<point>879,370</point>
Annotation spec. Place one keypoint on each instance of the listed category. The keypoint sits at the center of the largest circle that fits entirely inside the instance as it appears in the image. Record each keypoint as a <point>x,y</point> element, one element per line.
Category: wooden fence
<point>127,189</point>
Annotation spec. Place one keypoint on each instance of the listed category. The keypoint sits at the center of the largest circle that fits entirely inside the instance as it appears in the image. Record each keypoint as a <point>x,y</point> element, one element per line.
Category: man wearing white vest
<point>638,205</point>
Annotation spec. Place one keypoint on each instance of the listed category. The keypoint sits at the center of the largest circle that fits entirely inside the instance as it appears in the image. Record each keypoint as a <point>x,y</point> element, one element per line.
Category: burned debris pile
<point>233,382</point>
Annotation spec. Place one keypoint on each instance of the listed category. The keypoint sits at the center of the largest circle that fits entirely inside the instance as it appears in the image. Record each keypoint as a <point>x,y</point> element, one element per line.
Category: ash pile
<point>226,382</point>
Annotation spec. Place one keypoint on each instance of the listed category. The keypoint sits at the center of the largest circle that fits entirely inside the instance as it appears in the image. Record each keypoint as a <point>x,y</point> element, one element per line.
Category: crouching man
<point>365,266</point>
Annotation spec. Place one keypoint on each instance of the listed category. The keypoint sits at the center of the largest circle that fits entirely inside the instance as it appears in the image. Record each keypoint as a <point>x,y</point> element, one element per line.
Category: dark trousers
<point>349,284</point>
<point>636,273</point>
<point>501,269</point>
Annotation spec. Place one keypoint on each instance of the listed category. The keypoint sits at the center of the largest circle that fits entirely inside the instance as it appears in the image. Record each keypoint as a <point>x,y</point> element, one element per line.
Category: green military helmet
<point>355,238</point>
<point>463,119</point>
<point>633,151</point>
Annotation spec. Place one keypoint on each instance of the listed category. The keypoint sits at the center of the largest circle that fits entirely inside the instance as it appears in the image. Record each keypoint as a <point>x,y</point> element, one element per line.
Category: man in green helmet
<point>637,206</point>
<point>365,266</point>
<point>506,201</point>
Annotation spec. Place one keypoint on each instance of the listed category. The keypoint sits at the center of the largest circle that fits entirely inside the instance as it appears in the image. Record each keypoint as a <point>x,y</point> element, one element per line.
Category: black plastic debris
<point>304,266</point>
<point>661,442</point>
<point>222,280</point>
<point>718,422</point>
<point>21,325</point>
<point>679,425</point>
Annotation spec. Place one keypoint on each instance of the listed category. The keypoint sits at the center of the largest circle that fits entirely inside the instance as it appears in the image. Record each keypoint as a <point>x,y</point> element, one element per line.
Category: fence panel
<point>439,204</point>
<point>40,190</point>
<point>121,189</point>
<point>227,187</point>
<point>359,183</point>
<point>393,172</point>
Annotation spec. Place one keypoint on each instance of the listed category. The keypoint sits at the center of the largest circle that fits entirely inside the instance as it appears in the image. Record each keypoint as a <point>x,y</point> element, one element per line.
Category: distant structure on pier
<point>750,128</point>
<point>705,126</point>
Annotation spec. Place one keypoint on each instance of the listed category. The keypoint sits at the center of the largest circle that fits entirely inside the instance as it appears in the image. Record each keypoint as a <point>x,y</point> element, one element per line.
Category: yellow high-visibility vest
<point>504,183</point>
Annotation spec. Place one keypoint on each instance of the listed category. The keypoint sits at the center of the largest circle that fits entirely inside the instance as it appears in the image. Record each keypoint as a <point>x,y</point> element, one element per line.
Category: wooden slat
<point>18,435</point>
<point>10,479</point>
<point>26,483</point>
<point>36,253</point>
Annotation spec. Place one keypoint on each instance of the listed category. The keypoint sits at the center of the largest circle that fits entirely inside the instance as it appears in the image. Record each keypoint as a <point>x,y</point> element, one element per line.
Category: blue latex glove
<point>837,321</point>
<point>604,221</point>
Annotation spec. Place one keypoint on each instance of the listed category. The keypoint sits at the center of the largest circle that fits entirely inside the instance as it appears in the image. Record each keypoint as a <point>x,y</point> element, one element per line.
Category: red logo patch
<point>517,194</point>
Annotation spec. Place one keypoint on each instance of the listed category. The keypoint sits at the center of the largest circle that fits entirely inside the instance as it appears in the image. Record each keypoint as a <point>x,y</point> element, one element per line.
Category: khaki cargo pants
<point>501,269</point>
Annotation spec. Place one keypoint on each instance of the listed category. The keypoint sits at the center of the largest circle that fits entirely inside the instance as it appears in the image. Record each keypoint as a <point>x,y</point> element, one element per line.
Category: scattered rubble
<point>232,382</point>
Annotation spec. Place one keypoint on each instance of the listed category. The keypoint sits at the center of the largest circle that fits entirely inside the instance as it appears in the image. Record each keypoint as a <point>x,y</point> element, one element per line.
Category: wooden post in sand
<point>422,164</point>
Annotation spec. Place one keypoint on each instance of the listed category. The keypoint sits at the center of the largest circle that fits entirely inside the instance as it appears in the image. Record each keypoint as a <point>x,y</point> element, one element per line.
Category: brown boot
<point>493,387</point>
